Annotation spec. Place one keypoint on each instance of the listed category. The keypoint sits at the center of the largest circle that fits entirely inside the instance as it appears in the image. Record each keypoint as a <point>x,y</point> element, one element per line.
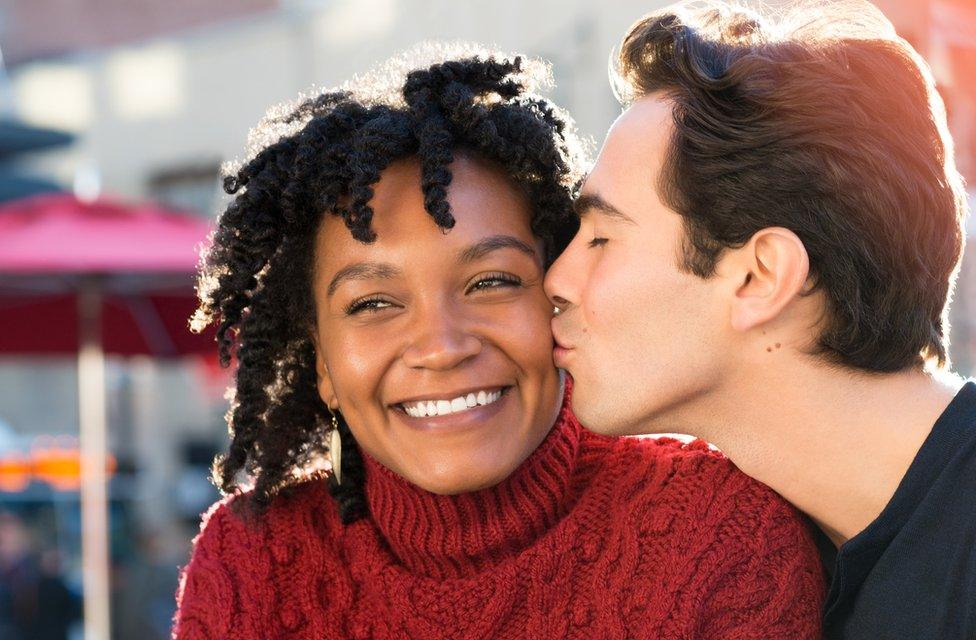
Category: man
<point>769,241</point>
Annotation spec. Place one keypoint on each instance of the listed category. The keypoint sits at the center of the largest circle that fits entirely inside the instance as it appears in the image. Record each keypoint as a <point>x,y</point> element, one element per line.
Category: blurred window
<point>191,188</point>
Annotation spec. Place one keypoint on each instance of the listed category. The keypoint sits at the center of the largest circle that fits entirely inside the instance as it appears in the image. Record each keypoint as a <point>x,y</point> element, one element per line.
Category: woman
<point>380,272</point>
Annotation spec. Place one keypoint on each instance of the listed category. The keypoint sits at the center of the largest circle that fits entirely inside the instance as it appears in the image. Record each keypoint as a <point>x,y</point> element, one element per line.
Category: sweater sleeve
<point>210,593</point>
<point>768,581</point>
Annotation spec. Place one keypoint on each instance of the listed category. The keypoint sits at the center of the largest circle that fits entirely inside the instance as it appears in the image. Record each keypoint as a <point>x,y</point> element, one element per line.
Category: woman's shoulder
<point>236,522</point>
<point>685,474</point>
<point>685,514</point>
<point>244,555</point>
<point>654,462</point>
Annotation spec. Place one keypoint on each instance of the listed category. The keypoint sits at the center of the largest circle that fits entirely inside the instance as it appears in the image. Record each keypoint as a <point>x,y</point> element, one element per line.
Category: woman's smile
<point>435,345</point>
<point>471,411</point>
<point>454,402</point>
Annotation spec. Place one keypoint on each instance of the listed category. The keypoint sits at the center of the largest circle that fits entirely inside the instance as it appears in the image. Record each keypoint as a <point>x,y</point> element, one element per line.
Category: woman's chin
<point>456,482</point>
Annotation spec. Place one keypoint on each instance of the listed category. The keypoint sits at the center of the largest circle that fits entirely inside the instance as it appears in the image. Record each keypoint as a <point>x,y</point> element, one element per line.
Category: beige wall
<point>190,98</point>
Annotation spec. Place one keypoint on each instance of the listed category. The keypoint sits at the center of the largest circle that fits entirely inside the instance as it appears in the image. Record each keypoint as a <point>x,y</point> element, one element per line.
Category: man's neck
<point>832,442</point>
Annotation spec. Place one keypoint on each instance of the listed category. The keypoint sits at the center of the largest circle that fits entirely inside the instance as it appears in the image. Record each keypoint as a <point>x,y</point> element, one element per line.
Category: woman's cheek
<point>361,354</point>
<point>530,334</point>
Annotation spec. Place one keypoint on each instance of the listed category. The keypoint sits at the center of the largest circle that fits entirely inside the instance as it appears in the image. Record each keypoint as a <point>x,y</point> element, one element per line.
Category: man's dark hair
<point>321,157</point>
<point>825,122</point>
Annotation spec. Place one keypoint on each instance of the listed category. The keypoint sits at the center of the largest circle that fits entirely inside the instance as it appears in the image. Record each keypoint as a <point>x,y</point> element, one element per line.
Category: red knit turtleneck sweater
<point>591,537</point>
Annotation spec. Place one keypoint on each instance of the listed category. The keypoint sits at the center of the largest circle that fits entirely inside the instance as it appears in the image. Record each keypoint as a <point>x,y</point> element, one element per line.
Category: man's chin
<point>595,414</point>
<point>589,414</point>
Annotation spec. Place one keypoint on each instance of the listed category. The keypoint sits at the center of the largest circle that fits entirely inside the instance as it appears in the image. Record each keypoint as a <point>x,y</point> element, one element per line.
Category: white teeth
<point>425,408</point>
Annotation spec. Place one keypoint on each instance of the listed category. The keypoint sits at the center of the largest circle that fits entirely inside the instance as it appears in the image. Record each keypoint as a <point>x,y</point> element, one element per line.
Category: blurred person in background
<point>378,281</point>
<point>35,604</point>
<point>144,590</point>
<point>769,243</point>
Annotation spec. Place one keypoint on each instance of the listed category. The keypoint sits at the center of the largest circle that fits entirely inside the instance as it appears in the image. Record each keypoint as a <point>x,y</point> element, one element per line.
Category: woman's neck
<point>452,536</point>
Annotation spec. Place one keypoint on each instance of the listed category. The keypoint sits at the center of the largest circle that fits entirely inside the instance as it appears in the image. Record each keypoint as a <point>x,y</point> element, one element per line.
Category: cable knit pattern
<point>591,537</point>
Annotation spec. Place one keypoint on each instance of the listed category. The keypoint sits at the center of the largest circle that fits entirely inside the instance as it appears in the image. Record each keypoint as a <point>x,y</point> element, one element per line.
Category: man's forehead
<point>635,145</point>
<point>644,127</point>
<point>626,171</point>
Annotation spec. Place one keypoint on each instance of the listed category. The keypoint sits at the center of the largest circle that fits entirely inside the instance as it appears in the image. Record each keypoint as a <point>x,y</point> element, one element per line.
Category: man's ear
<point>324,379</point>
<point>772,270</point>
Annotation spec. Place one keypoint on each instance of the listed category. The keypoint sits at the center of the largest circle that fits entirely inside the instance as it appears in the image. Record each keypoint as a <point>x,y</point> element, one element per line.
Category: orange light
<point>60,468</point>
<point>15,473</point>
<point>56,463</point>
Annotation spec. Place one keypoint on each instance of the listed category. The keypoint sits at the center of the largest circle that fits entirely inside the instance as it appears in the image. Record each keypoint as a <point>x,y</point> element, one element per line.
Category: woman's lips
<point>449,396</point>
<point>472,417</point>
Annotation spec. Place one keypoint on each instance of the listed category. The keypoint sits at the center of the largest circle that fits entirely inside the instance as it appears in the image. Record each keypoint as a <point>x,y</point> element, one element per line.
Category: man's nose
<point>440,339</point>
<point>558,284</point>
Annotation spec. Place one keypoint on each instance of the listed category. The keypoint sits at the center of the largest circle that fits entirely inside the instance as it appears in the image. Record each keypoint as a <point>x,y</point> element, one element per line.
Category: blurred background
<point>115,117</point>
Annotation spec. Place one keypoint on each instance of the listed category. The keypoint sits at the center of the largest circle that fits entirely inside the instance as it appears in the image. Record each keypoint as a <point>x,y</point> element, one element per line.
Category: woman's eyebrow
<point>363,271</point>
<point>493,243</point>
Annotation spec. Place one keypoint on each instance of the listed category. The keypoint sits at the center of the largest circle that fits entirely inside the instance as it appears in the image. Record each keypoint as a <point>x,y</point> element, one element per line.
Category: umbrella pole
<point>94,502</point>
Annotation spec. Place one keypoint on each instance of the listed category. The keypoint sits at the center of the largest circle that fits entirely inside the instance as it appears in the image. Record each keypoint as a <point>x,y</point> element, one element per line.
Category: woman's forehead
<point>483,199</point>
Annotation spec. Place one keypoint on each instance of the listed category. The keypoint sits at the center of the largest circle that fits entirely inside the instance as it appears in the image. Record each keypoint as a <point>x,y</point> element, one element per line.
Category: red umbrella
<point>90,278</point>
<point>141,259</point>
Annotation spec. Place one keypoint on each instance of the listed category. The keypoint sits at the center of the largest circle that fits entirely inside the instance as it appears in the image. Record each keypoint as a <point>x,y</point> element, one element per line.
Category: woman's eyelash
<point>369,304</point>
<point>597,242</point>
<point>504,279</point>
<point>491,281</point>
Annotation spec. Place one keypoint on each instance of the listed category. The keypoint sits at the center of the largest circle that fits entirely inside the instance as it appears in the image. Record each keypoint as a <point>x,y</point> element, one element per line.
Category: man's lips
<point>560,354</point>
<point>560,341</point>
<point>561,349</point>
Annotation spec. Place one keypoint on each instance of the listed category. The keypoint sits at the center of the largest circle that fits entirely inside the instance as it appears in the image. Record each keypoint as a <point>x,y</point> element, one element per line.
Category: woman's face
<point>434,345</point>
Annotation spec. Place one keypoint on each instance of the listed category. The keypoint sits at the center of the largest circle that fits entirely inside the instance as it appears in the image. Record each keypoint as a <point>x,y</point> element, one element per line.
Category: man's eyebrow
<point>363,271</point>
<point>589,201</point>
<point>493,243</point>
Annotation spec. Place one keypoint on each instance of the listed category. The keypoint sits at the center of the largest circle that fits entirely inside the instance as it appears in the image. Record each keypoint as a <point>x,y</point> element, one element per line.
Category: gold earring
<point>335,447</point>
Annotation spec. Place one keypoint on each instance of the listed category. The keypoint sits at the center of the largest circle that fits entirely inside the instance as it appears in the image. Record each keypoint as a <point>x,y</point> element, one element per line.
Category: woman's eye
<point>597,242</point>
<point>494,281</point>
<point>368,305</point>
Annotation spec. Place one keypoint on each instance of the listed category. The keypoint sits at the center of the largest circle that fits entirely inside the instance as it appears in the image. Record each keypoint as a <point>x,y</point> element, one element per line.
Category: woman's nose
<point>441,341</point>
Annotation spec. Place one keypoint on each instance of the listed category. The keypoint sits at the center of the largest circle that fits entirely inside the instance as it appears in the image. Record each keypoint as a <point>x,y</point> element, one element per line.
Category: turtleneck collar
<point>452,536</point>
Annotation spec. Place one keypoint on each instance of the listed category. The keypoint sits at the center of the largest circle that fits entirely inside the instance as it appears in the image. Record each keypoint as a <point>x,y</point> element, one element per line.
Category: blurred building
<point>156,114</point>
<point>944,31</point>
<point>159,94</point>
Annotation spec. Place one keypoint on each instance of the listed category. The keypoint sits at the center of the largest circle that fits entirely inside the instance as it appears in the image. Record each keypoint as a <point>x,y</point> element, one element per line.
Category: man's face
<point>641,336</point>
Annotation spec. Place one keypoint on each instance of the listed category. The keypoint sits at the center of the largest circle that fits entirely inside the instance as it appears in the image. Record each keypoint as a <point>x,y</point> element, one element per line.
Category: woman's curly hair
<point>322,155</point>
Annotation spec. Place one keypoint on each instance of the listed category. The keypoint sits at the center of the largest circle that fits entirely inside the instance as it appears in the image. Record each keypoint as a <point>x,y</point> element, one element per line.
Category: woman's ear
<point>773,268</point>
<point>324,379</point>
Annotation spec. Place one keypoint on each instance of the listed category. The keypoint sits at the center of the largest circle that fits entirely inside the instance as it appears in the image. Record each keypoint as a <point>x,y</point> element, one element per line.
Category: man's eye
<point>597,242</point>
<point>494,281</point>
<point>368,305</point>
